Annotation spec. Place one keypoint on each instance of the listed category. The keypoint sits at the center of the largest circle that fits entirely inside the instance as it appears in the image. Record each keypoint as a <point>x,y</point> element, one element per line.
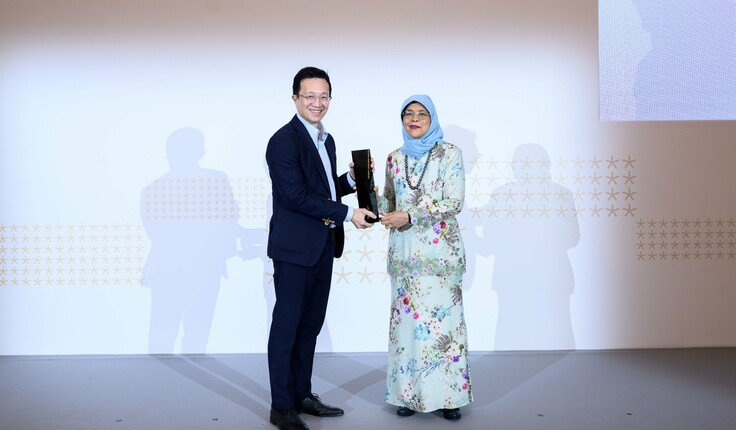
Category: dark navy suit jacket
<point>303,210</point>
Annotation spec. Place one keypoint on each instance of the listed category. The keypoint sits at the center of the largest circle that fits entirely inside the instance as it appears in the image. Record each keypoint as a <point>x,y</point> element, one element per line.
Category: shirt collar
<point>313,131</point>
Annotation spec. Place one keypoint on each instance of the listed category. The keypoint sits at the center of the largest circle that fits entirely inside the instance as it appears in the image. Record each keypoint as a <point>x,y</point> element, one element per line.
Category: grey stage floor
<point>633,389</point>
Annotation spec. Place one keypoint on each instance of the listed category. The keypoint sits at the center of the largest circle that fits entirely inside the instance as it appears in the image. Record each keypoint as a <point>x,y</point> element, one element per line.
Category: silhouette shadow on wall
<point>191,218</point>
<point>690,71</point>
<point>532,226</point>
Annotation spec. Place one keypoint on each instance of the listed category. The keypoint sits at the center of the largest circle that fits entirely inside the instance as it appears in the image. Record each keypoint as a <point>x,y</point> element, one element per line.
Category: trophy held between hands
<point>364,185</point>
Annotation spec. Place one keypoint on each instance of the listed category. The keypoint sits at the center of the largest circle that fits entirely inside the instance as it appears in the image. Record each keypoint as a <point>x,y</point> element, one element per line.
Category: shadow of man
<point>191,218</point>
<point>535,227</point>
<point>689,72</point>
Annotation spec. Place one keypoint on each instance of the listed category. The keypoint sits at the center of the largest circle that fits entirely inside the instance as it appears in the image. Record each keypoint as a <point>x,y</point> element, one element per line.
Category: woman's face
<point>416,120</point>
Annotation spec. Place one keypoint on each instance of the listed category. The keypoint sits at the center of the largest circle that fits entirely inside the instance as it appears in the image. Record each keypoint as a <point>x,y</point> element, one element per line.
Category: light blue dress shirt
<point>319,137</point>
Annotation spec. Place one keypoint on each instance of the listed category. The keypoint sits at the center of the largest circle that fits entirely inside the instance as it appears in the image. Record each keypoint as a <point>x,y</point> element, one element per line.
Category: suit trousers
<point>302,293</point>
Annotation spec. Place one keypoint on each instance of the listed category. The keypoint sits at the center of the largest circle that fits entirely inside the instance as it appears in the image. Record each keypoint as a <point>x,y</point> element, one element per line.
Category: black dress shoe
<point>404,412</point>
<point>287,419</point>
<point>312,405</point>
<point>451,414</point>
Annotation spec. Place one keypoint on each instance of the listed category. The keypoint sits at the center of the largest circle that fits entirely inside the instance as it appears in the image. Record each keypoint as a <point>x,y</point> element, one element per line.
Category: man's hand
<point>395,219</point>
<point>359,221</point>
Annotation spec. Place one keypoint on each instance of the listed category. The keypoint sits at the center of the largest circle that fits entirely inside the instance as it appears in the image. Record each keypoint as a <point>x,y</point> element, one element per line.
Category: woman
<point>424,191</point>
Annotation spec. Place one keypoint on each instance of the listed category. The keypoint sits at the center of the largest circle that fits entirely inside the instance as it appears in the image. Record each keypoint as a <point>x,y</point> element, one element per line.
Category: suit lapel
<point>311,150</point>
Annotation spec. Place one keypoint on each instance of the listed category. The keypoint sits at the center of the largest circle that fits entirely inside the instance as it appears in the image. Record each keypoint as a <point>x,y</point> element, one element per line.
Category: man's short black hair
<point>309,73</point>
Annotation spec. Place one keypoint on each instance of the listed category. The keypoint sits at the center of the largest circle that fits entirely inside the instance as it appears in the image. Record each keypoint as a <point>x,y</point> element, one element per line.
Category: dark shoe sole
<point>324,415</point>
<point>404,412</point>
<point>451,414</point>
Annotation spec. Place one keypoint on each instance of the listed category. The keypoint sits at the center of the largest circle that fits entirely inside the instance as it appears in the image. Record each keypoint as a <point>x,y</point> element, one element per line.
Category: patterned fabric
<point>428,353</point>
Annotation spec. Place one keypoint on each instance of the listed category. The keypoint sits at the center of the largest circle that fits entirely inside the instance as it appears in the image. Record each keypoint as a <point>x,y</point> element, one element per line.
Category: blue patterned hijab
<point>418,147</point>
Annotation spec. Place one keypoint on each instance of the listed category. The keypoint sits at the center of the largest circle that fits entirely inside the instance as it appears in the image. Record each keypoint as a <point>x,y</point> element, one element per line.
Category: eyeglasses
<point>312,98</point>
<point>423,115</point>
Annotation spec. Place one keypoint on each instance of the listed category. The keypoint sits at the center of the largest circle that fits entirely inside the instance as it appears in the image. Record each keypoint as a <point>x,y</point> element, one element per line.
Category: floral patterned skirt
<point>428,366</point>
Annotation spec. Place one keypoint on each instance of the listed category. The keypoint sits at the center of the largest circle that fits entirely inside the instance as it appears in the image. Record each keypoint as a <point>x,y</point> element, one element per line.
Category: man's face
<point>313,100</point>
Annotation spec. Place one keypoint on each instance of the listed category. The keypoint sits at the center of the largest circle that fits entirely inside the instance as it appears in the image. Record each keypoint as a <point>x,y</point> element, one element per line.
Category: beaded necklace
<point>424,170</point>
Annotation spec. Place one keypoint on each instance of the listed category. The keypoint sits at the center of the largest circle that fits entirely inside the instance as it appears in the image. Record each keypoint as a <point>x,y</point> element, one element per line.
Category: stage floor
<point>593,390</point>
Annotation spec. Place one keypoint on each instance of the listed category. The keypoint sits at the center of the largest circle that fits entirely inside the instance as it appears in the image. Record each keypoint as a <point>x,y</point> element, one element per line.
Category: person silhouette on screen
<point>690,71</point>
<point>536,225</point>
<point>191,218</point>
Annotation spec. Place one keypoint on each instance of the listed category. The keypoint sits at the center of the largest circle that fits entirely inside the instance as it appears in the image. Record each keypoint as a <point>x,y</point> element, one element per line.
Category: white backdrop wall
<point>596,235</point>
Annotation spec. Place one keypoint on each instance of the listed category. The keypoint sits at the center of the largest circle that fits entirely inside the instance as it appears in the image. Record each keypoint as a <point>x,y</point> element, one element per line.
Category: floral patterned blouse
<point>432,190</point>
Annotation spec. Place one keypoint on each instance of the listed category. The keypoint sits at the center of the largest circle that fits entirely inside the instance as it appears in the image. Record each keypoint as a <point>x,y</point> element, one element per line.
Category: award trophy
<point>364,184</point>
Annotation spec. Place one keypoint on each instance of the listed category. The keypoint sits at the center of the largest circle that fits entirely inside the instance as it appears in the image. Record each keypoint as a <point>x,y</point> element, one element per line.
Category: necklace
<point>424,170</point>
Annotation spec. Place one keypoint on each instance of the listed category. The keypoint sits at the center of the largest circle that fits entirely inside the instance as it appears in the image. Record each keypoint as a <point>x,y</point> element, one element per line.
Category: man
<point>305,235</point>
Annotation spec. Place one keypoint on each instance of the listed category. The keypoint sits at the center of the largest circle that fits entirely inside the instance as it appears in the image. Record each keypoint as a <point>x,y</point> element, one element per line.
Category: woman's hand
<point>396,219</point>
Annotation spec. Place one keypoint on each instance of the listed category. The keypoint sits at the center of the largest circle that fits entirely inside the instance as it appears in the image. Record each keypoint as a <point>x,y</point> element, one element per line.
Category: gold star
<point>365,253</point>
<point>612,163</point>
<point>526,179</point>
<point>543,196</point>
<point>595,195</point>
<point>527,195</point>
<point>595,179</point>
<point>365,275</point>
<point>629,178</point>
<point>342,275</point>
<point>561,178</point>
<point>629,194</point>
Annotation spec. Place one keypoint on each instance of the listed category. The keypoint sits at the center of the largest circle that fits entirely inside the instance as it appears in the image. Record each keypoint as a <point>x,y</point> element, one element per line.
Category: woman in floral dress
<point>428,368</point>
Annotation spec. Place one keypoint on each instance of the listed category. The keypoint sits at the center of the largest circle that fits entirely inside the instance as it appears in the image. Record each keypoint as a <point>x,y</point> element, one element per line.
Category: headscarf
<point>418,147</point>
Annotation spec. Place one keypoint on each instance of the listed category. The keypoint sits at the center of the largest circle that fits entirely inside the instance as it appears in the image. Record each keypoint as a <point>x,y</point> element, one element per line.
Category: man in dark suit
<point>305,235</point>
